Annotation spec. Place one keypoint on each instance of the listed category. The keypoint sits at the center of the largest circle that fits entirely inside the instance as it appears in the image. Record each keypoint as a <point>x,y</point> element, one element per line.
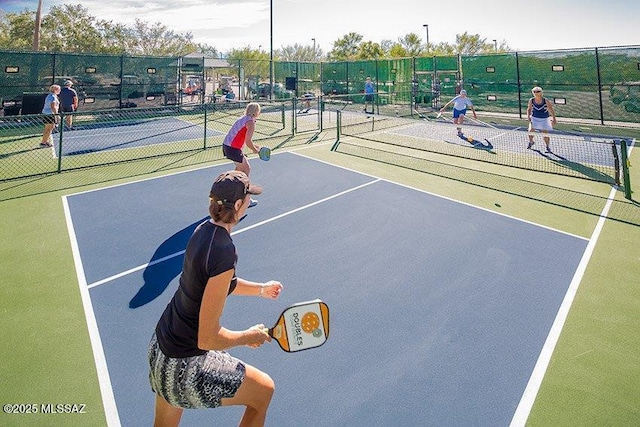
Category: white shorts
<point>540,124</point>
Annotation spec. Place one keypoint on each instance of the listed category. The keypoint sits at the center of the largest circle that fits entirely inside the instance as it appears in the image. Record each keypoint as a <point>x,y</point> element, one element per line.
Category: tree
<point>207,50</point>
<point>158,40</point>
<point>411,44</point>
<point>114,38</point>
<point>468,44</point>
<point>442,49</point>
<point>351,47</point>
<point>70,28</point>
<point>255,62</point>
<point>298,52</point>
<point>345,48</point>
<point>369,50</point>
<point>17,31</point>
<point>38,25</point>
<point>397,51</point>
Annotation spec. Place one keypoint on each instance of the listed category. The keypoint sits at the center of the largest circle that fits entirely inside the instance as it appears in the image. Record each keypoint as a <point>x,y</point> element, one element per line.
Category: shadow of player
<point>487,145</point>
<point>580,168</point>
<point>164,266</point>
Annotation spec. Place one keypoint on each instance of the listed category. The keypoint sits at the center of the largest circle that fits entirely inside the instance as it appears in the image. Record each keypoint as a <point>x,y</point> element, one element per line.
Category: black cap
<point>231,186</point>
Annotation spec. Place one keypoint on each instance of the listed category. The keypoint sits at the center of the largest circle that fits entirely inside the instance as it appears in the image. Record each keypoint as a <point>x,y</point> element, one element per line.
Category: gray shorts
<point>194,382</point>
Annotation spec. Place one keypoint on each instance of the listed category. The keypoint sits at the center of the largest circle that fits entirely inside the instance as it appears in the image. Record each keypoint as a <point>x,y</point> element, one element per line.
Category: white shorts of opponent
<point>540,124</point>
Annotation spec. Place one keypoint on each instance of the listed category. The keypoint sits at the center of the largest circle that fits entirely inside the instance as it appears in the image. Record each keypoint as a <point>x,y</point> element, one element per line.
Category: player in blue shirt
<point>369,91</point>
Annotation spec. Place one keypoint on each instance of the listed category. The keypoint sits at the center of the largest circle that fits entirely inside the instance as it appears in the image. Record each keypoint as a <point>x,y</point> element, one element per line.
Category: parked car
<point>279,91</point>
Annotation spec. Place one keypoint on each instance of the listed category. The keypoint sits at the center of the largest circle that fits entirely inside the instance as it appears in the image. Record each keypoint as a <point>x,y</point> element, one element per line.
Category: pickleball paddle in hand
<point>302,326</point>
<point>264,153</point>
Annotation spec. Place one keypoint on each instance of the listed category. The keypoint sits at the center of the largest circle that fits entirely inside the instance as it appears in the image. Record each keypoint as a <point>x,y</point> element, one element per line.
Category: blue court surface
<point>131,134</point>
<point>439,310</point>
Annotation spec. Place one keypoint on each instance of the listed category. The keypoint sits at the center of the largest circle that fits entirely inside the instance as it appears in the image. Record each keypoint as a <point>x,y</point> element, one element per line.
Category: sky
<point>524,25</point>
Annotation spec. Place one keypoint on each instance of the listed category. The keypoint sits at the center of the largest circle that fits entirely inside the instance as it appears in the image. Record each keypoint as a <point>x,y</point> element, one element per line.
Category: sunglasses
<point>537,91</point>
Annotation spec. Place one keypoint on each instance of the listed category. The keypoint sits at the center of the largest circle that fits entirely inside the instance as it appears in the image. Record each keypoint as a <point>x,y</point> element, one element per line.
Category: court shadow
<point>580,168</point>
<point>164,266</point>
<point>478,145</point>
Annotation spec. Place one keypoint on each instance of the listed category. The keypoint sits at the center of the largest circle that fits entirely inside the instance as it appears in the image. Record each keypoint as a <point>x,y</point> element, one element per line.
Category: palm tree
<point>36,33</point>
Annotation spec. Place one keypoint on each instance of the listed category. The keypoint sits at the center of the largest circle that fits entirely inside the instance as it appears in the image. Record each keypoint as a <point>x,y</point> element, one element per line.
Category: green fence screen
<point>597,84</point>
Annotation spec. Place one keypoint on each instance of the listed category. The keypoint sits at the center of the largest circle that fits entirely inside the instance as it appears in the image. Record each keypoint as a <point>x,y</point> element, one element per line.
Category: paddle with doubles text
<point>302,326</point>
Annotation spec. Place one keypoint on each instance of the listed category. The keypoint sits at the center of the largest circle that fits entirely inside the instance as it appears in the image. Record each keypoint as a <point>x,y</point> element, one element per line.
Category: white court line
<point>104,380</point>
<point>108,399</point>
<point>555,230</point>
<point>100,360</point>
<point>75,137</point>
<point>535,381</point>
<point>242,230</point>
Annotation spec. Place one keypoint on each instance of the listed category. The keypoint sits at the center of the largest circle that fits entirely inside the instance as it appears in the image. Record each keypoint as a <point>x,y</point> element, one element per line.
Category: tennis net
<point>103,137</point>
<point>595,157</point>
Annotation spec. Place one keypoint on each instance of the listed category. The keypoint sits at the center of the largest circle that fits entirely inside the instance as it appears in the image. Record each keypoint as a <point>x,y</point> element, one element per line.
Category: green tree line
<point>71,28</point>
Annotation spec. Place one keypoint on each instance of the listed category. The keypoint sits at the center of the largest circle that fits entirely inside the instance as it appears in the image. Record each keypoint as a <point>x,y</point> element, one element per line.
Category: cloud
<point>182,14</point>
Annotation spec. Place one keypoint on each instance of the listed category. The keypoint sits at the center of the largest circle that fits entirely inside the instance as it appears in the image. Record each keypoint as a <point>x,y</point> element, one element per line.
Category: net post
<point>294,121</point>
<point>204,137</point>
<point>338,126</point>
<point>616,162</point>
<point>61,131</point>
<point>625,168</point>
<point>283,117</point>
<point>320,112</point>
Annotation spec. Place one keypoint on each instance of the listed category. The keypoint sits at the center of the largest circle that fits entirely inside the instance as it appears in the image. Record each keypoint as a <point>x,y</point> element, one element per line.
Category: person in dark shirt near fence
<point>68,102</point>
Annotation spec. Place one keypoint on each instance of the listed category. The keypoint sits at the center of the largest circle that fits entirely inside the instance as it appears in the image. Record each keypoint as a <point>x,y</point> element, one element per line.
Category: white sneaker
<point>252,203</point>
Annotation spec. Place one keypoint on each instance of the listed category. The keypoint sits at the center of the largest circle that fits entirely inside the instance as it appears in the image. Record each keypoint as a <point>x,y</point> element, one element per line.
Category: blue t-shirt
<point>369,88</point>
<point>210,252</point>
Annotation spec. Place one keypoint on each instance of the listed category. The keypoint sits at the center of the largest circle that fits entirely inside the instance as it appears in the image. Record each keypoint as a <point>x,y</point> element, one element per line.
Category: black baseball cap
<point>231,186</point>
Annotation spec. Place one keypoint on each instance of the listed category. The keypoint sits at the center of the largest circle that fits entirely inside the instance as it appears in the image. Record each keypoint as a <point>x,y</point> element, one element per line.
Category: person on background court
<point>50,109</point>
<point>460,104</point>
<point>241,133</point>
<point>189,366</point>
<point>541,117</point>
<point>306,101</point>
<point>68,102</point>
<point>369,91</point>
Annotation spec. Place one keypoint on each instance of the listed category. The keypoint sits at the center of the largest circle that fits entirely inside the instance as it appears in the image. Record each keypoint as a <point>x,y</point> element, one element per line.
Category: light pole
<point>427,27</point>
<point>495,44</point>
<point>271,49</point>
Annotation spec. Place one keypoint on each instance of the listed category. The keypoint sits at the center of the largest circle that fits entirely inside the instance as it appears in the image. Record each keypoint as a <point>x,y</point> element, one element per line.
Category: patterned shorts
<point>194,382</point>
